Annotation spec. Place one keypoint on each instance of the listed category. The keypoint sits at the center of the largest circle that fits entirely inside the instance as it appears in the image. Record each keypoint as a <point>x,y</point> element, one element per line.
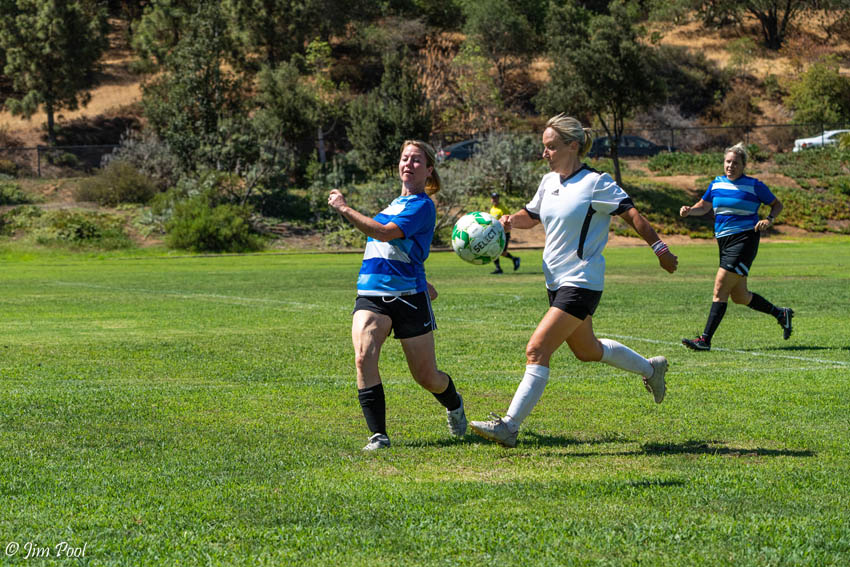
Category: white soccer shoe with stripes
<point>655,384</point>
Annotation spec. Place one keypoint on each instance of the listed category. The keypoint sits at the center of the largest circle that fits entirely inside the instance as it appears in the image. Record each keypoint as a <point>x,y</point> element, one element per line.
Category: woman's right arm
<point>368,226</point>
<point>519,219</point>
<point>700,208</point>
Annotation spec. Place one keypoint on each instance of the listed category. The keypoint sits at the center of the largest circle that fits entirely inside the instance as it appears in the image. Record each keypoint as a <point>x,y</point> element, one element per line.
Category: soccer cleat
<point>516,263</point>
<point>456,419</point>
<point>784,320</point>
<point>377,441</point>
<point>655,384</point>
<point>495,430</point>
<point>698,343</point>
<point>497,271</point>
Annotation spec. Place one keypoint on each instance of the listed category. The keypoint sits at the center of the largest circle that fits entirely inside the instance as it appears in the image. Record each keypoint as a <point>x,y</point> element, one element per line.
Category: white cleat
<point>495,430</point>
<point>456,419</point>
<point>377,441</point>
<point>655,384</point>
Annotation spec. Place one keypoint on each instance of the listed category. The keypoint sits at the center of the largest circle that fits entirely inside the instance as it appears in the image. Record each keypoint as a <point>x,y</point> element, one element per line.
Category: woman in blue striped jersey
<point>735,199</point>
<point>393,295</point>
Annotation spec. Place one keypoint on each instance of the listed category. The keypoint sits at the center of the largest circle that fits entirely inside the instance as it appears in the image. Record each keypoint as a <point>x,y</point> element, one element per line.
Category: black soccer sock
<point>449,397</point>
<point>715,316</point>
<point>496,263</point>
<point>764,306</point>
<point>508,255</point>
<point>374,407</point>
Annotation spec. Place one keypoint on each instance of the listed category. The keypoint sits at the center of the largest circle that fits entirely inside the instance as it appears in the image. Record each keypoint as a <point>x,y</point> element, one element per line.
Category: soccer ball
<point>478,238</point>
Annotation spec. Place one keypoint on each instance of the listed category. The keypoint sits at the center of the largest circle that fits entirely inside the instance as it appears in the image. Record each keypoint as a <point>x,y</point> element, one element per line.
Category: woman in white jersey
<point>575,205</point>
<point>393,295</point>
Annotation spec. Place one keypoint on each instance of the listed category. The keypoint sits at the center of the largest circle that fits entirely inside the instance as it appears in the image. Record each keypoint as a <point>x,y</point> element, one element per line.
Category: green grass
<point>202,411</point>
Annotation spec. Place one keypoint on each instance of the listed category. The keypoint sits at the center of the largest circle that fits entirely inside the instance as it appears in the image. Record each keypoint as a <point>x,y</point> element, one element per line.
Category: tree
<point>52,51</point>
<point>160,28</point>
<point>272,31</point>
<point>821,95</point>
<point>503,34</point>
<point>600,68</point>
<point>775,17</point>
<point>195,105</point>
<point>384,118</point>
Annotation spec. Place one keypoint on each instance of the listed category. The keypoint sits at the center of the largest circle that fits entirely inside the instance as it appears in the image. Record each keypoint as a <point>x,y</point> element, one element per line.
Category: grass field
<point>202,411</point>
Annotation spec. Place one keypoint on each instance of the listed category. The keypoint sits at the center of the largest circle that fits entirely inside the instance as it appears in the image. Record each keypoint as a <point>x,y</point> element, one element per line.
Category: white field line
<point>836,363</point>
<point>233,299</point>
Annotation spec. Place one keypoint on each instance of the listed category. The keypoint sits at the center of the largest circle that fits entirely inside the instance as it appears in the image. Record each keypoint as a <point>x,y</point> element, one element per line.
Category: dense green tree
<point>52,51</point>
<point>161,27</point>
<point>272,31</point>
<point>196,105</point>
<point>821,95</point>
<point>503,33</point>
<point>385,117</point>
<point>600,68</point>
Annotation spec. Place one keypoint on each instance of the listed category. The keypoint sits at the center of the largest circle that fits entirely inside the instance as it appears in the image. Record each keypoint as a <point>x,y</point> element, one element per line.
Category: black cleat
<point>698,343</point>
<point>516,263</point>
<point>784,320</point>
<point>497,271</point>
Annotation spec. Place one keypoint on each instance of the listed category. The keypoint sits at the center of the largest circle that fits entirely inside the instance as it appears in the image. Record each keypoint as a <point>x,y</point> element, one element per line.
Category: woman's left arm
<point>775,209</point>
<point>667,259</point>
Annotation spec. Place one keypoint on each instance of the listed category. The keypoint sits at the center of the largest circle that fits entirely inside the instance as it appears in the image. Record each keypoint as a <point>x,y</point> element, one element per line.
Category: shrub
<point>68,227</point>
<point>11,194</point>
<point>8,167</point>
<point>198,226</point>
<point>118,182</point>
<point>150,156</point>
<point>63,159</point>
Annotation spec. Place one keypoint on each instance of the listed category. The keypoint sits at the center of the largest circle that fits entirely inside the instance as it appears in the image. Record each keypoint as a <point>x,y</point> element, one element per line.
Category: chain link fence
<point>70,161</point>
<point>770,137</point>
<point>52,161</point>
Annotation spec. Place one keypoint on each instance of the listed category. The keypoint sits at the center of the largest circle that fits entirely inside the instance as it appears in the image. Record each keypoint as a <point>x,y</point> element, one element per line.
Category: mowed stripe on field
<point>234,299</point>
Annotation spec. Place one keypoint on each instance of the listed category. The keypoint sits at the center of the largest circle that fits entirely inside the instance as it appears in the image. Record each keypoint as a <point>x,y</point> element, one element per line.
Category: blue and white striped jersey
<point>397,267</point>
<point>736,203</point>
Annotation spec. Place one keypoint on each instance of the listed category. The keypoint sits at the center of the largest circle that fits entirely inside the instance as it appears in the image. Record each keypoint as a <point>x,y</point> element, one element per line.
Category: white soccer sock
<point>624,358</point>
<point>527,395</point>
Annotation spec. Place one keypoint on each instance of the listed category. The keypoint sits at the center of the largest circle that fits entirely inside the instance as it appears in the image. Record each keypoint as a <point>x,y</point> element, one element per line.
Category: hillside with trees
<point>233,119</point>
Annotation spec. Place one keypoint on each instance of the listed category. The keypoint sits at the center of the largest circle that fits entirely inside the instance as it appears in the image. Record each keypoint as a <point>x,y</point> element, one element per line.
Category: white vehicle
<point>827,138</point>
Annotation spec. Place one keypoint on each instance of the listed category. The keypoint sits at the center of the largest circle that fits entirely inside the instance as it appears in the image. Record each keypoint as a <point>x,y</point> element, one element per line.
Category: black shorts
<point>737,251</point>
<point>577,301</point>
<point>411,314</point>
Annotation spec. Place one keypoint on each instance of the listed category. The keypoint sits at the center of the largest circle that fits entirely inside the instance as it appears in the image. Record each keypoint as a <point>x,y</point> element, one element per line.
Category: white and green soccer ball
<point>478,238</point>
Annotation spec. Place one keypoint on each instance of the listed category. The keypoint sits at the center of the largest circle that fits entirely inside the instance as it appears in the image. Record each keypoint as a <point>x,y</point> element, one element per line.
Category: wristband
<point>660,248</point>
<point>771,218</point>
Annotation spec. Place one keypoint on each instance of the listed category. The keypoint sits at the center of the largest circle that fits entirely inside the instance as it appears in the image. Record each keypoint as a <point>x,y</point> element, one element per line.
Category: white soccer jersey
<point>576,214</point>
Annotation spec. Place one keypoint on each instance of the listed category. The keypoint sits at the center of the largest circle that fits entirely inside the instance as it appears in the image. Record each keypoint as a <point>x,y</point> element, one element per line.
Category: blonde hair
<point>739,150</point>
<point>434,183</point>
<point>571,130</point>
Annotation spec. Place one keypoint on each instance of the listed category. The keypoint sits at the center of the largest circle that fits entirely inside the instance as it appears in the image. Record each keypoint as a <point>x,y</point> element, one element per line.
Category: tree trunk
<point>51,131</point>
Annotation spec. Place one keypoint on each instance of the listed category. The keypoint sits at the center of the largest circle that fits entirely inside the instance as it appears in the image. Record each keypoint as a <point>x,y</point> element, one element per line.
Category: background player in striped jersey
<point>575,204</point>
<point>392,293</point>
<point>735,199</point>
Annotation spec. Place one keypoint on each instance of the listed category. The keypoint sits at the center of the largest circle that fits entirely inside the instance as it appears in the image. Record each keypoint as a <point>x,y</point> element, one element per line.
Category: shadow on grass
<point>528,440</point>
<point>803,348</point>
<point>713,448</point>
